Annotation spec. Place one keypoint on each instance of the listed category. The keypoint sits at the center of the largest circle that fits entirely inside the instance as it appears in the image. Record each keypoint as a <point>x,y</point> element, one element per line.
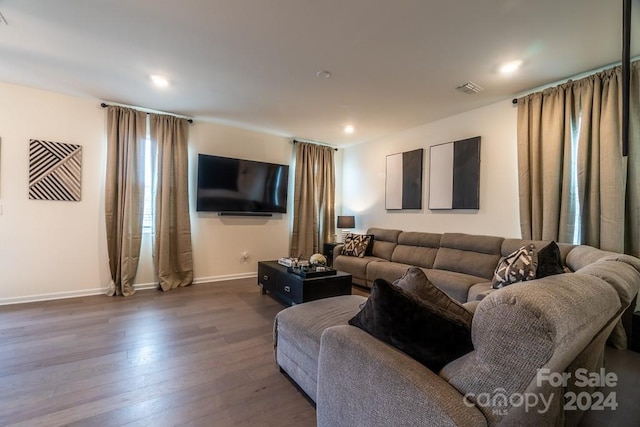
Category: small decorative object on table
<point>317,267</point>
<point>318,260</point>
<point>292,262</point>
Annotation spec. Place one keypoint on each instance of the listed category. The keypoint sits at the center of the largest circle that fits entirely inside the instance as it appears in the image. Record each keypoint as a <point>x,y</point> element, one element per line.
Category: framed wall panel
<point>454,175</point>
<point>55,171</point>
<point>403,186</point>
<point>441,177</point>
<point>393,193</point>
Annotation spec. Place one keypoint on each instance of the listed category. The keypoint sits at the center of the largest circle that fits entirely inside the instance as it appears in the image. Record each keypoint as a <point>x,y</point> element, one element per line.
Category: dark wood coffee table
<point>290,288</point>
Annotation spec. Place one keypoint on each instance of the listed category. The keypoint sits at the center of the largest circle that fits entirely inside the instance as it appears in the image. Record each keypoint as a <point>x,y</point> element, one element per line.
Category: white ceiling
<point>253,63</point>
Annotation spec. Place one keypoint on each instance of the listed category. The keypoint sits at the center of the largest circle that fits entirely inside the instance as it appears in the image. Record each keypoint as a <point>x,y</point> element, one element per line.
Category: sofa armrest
<point>365,382</point>
<point>337,250</point>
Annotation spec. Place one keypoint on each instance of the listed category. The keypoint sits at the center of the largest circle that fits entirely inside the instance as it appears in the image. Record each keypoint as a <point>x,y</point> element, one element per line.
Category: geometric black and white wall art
<point>55,171</point>
<point>404,180</point>
<point>454,175</point>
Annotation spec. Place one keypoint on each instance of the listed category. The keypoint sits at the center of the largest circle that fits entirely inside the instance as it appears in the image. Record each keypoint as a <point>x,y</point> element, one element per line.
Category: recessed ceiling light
<point>159,81</point>
<point>349,129</point>
<point>510,67</point>
<point>323,74</point>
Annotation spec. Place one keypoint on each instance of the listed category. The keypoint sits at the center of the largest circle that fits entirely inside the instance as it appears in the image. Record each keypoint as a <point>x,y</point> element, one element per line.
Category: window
<point>574,193</point>
<point>147,216</point>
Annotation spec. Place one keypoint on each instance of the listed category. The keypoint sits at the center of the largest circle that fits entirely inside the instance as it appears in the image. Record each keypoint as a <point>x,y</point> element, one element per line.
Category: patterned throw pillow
<point>518,266</point>
<point>356,244</point>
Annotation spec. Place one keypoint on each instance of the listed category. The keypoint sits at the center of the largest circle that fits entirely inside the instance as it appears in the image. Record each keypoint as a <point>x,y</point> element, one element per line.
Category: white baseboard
<point>52,296</point>
<point>223,278</point>
<point>101,291</point>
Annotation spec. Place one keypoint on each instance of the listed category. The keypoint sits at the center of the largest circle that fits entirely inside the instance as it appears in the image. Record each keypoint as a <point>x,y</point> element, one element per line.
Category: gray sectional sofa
<point>555,324</point>
<point>462,265</point>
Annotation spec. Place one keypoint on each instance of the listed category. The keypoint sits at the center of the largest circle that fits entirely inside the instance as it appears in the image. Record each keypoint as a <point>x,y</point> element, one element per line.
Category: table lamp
<point>346,223</point>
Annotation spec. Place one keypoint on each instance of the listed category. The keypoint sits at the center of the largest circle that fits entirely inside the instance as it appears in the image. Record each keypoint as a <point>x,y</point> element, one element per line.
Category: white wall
<point>220,241</point>
<point>57,249</point>
<point>364,176</point>
<point>50,247</point>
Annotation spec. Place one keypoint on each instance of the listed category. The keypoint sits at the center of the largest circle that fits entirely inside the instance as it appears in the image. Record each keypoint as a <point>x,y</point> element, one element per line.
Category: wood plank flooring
<point>197,356</point>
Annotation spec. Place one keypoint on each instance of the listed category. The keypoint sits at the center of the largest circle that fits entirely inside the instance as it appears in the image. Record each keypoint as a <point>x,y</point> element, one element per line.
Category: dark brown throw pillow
<point>415,282</point>
<point>549,261</point>
<point>426,332</point>
<point>369,251</point>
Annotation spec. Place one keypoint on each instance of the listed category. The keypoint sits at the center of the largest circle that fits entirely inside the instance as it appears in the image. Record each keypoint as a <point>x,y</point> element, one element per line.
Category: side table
<point>328,252</point>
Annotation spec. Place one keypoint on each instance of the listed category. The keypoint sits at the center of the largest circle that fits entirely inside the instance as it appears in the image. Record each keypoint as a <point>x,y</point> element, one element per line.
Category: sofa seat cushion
<point>471,306</point>
<point>357,267</point>
<point>479,291</point>
<point>389,271</point>
<point>297,331</point>
<point>456,285</point>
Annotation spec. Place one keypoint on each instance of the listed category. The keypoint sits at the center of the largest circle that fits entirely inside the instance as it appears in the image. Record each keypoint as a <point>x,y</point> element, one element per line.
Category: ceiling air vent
<point>470,88</point>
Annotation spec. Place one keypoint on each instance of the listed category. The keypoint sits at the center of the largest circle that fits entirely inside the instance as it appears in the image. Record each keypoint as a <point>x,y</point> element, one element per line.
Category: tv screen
<point>236,185</point>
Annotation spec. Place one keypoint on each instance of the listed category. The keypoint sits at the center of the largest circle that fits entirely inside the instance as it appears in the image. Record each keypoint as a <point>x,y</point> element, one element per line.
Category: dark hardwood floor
<point>197,356</point>
<point>201,355</point>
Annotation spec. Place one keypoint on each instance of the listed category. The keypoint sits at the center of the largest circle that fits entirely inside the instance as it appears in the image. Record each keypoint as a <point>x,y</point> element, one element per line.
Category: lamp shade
<point>346,221</point>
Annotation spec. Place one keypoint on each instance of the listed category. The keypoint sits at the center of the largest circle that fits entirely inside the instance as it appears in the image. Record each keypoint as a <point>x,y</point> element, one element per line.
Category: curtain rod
<point>105,105</point>
<point>315,142</point>
<point>515,100</point>
<point>578,77</point>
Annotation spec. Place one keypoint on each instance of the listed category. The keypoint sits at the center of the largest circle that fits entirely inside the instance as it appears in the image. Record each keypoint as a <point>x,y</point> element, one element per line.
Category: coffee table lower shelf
<point>290,289</point>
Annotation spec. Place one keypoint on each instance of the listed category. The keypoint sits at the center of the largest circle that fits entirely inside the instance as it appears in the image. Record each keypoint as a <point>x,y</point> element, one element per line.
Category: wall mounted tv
<point>241,186</point>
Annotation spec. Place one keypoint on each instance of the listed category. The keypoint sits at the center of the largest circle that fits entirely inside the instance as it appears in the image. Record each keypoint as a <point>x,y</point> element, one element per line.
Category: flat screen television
<point>236,185</point>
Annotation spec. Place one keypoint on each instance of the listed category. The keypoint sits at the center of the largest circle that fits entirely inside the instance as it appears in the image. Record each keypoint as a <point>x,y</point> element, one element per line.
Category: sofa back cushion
<point>384,242</point>
<point>415,248</point>
<point>582,255</point>
<point>470,254</point>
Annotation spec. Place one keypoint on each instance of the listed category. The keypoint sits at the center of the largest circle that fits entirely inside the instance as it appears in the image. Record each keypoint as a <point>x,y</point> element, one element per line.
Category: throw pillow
<point>356,244</point>
<point>426,332</point>
<point>369,251</point>
<point>415,282</point>
<point>549,261</point>
<point>518,266</point>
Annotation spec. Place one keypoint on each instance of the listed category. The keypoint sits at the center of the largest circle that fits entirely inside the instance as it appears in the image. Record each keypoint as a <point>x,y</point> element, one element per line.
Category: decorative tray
<point>309,272</point>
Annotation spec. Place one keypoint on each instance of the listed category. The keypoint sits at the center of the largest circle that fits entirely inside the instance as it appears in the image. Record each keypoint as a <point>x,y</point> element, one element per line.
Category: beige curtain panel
<point>172,248</point>
<point>314,198</point>
<point>575,185</point>
<point>124,195</point>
